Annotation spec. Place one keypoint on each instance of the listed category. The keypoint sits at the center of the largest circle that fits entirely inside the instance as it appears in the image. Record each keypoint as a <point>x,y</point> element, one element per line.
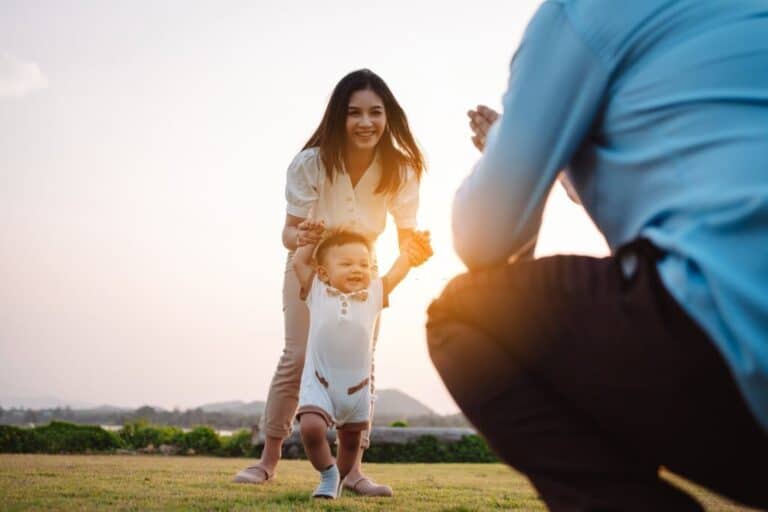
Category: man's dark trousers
<point>587,376</point>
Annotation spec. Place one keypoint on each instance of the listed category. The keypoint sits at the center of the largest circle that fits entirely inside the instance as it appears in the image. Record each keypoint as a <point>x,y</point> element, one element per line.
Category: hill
<point>393,402</point>
<point>236,407</point>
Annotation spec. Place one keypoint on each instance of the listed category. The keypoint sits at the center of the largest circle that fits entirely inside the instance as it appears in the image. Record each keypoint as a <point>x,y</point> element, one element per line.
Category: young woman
<point>361,162</point>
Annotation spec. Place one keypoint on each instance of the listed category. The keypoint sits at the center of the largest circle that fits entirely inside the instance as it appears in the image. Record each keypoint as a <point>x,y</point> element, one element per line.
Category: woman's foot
<point>257,474</point>
<point>264,471</point>
<point>364,486</point>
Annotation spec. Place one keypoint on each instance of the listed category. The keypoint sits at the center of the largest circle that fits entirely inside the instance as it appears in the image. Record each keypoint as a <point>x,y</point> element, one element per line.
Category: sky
<point>143,150</point>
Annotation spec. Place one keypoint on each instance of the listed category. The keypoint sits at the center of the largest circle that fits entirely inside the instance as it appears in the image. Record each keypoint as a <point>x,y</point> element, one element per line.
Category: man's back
<point>659,109</point>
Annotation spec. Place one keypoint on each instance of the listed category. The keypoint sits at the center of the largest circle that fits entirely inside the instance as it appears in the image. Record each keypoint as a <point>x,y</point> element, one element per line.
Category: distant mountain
<point>393,402</point>
<point>389,403</point>
<point>236,407</point>
<point>104,409</point>
<point>41,402</point>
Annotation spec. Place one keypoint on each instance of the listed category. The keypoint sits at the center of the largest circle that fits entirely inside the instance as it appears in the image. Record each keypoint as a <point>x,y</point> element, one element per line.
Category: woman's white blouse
<point>310,193</point>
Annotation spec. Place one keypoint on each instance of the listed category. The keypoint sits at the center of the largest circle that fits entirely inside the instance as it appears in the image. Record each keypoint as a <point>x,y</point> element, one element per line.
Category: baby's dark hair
<point>337,238</point>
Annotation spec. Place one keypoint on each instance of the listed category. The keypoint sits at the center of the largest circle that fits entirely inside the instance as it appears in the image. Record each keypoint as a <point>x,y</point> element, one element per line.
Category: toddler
<point>344,303</point>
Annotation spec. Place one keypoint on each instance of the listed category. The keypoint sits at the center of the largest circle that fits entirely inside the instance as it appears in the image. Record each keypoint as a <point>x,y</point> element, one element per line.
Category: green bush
<point>237,445</point>
<point>139,434</point>
<point>399,424</point>
<point>201,440</point>
<point>17,440</point>
<point>59,436</point>
<point>470,448</point>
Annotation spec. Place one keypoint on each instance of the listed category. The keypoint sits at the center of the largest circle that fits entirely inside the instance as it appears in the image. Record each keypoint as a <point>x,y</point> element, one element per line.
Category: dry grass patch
<point>105,482</point>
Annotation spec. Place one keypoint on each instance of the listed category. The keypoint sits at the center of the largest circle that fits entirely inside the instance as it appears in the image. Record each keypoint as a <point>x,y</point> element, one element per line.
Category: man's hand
<point>309,232</point>
<point>480,121</point>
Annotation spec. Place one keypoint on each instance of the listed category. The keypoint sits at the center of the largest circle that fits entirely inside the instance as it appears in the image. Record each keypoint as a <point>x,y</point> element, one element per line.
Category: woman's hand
<point>480,121</point>
<point>309,232</point>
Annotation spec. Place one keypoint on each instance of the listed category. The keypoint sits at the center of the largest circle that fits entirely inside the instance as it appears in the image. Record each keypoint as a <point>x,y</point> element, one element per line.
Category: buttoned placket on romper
<point>344,301</point>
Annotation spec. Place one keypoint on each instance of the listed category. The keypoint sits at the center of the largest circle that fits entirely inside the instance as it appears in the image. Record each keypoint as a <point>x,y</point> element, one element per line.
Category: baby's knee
<point>313,427</point>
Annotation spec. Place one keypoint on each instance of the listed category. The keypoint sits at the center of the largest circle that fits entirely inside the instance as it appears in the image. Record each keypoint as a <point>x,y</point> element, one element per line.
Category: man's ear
<point>322,274</point>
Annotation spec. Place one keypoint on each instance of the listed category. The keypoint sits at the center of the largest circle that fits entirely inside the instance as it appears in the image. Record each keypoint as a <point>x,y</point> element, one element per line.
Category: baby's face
<point>346,267</point>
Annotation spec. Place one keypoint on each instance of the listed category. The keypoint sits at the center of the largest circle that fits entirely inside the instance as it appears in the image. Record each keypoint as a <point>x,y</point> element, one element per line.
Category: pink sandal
<point>364,486</point>
<point>257,474</point>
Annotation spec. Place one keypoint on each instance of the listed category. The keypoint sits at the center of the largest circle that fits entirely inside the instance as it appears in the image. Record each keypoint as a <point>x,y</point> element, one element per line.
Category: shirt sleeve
<point>301,187</point>
<point>405,204</point>
<point>554,93</point>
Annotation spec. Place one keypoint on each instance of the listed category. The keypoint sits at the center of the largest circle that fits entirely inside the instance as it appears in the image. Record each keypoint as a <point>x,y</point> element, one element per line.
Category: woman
<point>361,162</point>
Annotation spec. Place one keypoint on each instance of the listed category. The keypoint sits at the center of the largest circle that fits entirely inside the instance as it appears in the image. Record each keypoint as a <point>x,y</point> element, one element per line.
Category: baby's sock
<point>329,483</point>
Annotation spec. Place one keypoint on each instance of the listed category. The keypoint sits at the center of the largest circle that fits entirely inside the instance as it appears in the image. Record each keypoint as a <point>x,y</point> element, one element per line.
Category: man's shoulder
<point>606,26</point>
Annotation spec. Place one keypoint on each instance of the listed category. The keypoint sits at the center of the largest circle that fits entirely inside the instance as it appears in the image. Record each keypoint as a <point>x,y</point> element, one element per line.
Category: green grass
<point>114,482</point>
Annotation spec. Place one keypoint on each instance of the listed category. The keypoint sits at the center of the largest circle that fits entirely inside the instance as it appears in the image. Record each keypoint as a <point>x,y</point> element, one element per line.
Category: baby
<point>344,302</point>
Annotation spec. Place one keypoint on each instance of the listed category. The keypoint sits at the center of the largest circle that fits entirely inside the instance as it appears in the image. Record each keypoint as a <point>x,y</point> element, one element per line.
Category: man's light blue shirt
<point>659,112</point>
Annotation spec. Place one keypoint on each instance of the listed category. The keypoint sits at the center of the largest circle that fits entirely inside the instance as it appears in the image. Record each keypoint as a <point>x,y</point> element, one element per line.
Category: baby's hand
<point>418,248</point>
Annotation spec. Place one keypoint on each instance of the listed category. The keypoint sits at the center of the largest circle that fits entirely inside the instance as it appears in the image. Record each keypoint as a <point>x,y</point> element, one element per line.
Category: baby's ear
<point>322,273</point>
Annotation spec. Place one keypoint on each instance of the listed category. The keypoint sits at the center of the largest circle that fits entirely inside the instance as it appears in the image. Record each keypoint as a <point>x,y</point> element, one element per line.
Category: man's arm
<point>555,90</point>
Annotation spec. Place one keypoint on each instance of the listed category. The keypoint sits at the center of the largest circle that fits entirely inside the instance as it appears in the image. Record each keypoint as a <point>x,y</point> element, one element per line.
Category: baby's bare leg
<point>349,449</point>
<point>313,432</point>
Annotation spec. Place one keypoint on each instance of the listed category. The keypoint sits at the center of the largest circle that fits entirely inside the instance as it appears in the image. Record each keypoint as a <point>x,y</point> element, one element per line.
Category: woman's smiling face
<point>366,120</point>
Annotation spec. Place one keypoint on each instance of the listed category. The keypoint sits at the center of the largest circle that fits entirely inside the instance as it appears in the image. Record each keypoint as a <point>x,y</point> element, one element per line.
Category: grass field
<point>104,482</point>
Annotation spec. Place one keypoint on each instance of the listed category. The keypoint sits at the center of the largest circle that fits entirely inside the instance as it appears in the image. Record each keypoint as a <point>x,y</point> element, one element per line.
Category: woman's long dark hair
<point>397,148</point>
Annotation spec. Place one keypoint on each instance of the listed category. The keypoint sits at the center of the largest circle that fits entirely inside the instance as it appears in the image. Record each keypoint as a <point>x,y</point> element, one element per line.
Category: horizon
<point>54,402</point>
<point>143,168</point>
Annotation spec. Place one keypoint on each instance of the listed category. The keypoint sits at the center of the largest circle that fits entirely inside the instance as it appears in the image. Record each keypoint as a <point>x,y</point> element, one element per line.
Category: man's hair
<point>337,238</point>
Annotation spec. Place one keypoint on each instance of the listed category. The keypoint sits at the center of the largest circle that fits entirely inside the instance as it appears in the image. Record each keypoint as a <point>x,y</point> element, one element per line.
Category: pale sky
<point>143,149</point>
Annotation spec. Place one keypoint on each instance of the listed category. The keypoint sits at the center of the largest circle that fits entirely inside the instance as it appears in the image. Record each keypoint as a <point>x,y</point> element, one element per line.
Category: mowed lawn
<point>125,482</point>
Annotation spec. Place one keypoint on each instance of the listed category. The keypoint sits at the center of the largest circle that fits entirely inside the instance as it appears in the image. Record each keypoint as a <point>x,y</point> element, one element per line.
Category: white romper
<point>336,381</point>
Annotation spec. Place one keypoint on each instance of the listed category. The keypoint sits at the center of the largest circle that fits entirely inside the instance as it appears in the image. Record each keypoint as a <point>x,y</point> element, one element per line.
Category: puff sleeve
<point>301,186</point>
<point>404,205</point>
